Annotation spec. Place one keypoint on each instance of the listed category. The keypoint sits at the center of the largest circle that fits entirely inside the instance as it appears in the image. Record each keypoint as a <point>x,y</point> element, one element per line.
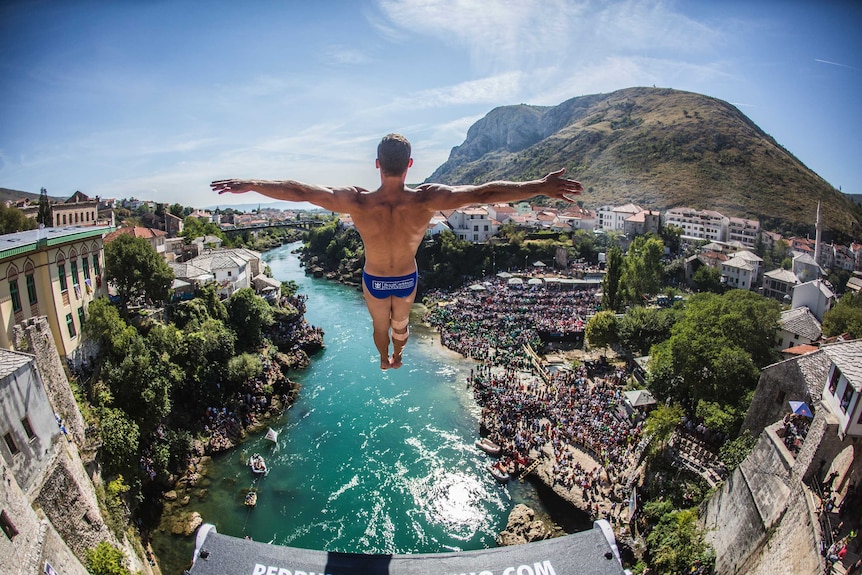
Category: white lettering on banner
<point>538,568</point>
<point>276,570</point>
<point>543,568</point>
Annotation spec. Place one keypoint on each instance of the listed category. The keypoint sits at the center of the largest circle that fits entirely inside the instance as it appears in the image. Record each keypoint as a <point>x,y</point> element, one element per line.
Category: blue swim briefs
<point>382,287</point>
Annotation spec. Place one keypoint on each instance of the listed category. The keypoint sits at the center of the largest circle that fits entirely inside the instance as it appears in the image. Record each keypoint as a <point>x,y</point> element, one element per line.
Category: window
<point>833,381</point>
<point>96,267</point>
<point>16,297</point>
<point>6,526</point>
<point>61,272</point>
<point>74,269</point>
<point>31,289</point>
<point>70,324</point>
<point>847,396</point>
<point>86,265</point>
<point>81,316</point>
<point>10,443</point>
<point>28,429</point>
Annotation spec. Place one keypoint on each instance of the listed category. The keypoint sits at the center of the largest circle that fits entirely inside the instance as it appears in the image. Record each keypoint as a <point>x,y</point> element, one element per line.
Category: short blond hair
<point>393,153</point>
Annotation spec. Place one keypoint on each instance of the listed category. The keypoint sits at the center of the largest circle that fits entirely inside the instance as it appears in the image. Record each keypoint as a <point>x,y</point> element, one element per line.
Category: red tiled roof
<point>134,231</point>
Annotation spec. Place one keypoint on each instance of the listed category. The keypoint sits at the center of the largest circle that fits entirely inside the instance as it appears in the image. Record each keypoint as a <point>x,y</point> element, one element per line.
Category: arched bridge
<point>295,224</point>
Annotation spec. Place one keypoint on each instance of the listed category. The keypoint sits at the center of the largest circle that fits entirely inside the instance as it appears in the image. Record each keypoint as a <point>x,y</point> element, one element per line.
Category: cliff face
<point>656,147</point>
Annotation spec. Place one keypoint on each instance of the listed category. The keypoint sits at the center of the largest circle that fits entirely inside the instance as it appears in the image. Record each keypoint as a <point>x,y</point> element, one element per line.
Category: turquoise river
<point>366,460</point>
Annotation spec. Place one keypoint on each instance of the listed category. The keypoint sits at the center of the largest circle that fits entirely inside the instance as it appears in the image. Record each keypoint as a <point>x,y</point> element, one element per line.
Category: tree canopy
<point>844,317</point>
<point>249,315</point>
<point>135,269</point>
<point>13,220</point>
<point>715,352</point>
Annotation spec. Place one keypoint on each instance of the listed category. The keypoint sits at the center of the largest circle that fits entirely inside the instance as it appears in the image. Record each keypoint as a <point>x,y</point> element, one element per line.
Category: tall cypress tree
<point>44,216</point>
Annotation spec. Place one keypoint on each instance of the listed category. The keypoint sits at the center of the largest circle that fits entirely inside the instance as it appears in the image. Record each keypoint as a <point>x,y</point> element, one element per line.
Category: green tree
<point>249,316</point>
<point>661,423</point>
<point>244,367</point>
<point>44,216</point>
<point>176,210</point>
<point>601,329</point>
<point>715,349</point>
<point>707,279</point>
<point>135,269</point>
<point>670,235</point>
<point>197,227</point>
<point>611,299</point>
<point>844,317</point>
<point>642,269</point>
<point>141,382</point>
<point>13,220</point>
<point>120,437</point>
<point>641,327</point>
<point>105,559</point>
<point>585,245</point>
<point>676,543</point>
<point>106,327</point>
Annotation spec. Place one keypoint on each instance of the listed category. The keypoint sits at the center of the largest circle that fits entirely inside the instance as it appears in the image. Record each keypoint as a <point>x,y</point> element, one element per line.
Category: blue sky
<point>154,99</point>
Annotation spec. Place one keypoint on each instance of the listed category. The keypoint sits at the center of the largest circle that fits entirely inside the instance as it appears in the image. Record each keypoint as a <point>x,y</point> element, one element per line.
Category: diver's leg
<point>380,319</point>
<point>400,316</point>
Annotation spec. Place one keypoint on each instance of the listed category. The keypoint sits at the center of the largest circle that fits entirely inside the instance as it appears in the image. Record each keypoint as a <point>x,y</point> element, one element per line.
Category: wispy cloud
<point>836,64</point>
<point>498,35</point>
<point>339,54</point>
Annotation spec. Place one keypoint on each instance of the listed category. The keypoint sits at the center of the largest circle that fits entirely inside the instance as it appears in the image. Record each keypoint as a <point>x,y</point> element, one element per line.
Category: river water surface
<point>366,461</point>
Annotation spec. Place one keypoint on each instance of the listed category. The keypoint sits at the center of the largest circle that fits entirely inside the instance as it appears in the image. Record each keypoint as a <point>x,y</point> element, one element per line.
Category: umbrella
<point>801,408</point>
<point>515,281</point>
<point>534,281</point>
<point>477,287</point>
<point>539,264</point>
<point>504,275</point>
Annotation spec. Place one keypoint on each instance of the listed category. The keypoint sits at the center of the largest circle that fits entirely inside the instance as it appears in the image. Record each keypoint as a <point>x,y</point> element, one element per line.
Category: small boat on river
<point>488,446</point>
<point>257,464</point>
<point>501,475</point>
<point>251,499</point>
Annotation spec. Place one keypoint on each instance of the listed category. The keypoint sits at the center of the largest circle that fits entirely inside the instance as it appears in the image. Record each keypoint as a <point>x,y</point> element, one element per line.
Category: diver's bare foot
<point>395,361</point>
<point>385,363</point>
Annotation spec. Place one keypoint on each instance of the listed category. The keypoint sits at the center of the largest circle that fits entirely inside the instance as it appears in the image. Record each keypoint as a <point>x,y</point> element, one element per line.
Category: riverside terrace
<point>592,552</point>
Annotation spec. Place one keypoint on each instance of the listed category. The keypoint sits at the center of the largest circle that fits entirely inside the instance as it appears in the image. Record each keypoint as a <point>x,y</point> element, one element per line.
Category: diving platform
<point>591,552</point>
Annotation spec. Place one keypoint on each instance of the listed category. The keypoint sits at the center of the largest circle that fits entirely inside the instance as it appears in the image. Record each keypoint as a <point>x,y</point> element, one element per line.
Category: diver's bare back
<point>392,224</point>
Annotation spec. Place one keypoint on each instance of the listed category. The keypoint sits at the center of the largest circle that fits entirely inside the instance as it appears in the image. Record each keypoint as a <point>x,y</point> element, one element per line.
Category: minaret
<point>818,236</point>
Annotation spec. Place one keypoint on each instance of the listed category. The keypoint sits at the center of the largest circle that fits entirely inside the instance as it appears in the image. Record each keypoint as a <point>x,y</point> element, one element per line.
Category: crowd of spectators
<point>576,420</point>
<point>493,320</point>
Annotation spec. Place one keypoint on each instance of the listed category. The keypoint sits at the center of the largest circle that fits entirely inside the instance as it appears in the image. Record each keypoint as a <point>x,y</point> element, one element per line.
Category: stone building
<point>768,515</point>
<point>52,272</point>
<point>49,511</point>
<point>78,210</point>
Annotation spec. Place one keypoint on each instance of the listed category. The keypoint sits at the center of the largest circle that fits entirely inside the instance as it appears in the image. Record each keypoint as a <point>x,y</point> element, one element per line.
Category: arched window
<point>14,294</point>
<point>30,278</point>
<point>61,271</point>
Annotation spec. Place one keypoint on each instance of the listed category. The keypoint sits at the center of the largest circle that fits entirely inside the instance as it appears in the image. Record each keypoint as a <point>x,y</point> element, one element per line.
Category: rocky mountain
<point>658,148</point>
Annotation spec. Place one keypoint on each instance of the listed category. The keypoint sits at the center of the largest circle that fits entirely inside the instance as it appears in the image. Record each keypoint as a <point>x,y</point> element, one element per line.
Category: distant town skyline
<point>155,100</point>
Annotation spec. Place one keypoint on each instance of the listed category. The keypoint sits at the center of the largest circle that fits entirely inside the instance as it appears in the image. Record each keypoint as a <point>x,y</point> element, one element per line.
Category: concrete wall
<point>36,542</point>
<point>34,336</point>
<point>54,508</point>
<point>745,509</point>
<point>23,402</point>
<point>763,518</point>
<point>797,379</point>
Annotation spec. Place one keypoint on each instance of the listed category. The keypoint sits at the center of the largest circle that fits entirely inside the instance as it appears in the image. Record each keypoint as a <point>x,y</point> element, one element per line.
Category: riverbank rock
<point>170,495</point>
<point>187,524</point>
<point>523,527</point>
